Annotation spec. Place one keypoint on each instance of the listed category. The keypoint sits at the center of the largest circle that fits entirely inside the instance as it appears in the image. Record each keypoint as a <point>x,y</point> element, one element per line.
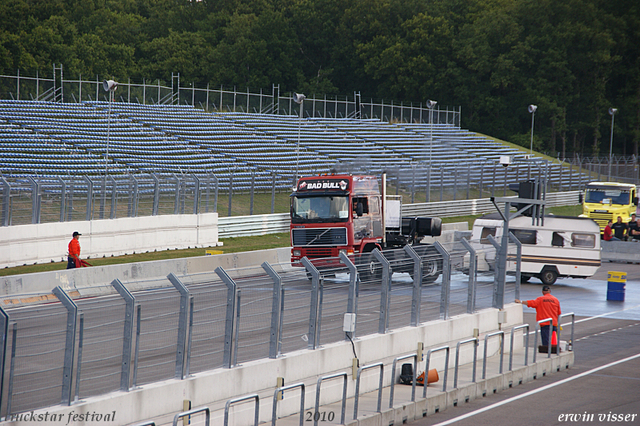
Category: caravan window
<point>557,240</point>
<point>583,240</point>
<point>485,233</point>
<point>525,236</point>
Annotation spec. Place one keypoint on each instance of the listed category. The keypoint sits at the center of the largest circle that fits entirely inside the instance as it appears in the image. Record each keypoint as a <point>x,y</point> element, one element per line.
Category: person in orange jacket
<point>546,306</point>
<point>74,251</point>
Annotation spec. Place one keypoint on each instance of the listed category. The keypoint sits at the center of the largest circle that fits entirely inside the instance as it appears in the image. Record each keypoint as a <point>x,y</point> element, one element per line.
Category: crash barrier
<point>526,344</point>
<point>357,395</point>
<point>186,415</point>
<point>484,362</point>
<point>193,323</point>
<point>535,340</point>
<point>343,410</point>
<point>446,368</point>
<point>620,251</point>
<point>256,411</point>
<point>573,323</point>
<point>475,342</point>
<point>47,243</point>
<point>413,378</point>
<point>378,390</point>
<point>279,393</point>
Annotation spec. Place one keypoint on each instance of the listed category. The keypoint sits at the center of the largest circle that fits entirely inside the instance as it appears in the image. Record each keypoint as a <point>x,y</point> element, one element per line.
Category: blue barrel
<point>616,284</point>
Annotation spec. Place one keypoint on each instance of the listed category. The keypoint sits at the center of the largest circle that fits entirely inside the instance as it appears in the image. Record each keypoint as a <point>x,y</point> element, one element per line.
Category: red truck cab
<point>335,213</point>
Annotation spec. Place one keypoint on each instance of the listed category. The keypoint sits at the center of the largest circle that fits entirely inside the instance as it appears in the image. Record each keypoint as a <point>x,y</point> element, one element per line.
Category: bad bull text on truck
<point>334,214</point>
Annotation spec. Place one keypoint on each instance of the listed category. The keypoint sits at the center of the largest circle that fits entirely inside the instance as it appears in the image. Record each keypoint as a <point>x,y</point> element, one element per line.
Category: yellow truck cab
<point>604,201</point>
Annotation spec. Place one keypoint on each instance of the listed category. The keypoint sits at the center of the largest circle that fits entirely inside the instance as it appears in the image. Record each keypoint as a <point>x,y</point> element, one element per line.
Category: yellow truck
<point>604,201</point>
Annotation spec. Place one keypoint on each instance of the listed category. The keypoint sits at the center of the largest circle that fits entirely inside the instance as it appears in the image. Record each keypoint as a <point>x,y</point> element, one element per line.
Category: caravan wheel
<point>548,276</point>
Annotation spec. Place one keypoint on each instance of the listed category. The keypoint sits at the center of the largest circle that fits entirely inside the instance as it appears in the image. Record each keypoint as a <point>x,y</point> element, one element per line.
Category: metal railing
<point>446,368</point>
<point>413,379</point>
<point>357,394</point>
<point>484,360</point>
<point>199,322</point>
<point>526,345</point>
<point>473,340</point>
<point>177,92</point>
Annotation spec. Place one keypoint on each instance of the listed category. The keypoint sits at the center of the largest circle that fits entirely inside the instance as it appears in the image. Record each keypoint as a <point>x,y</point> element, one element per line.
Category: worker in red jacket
<point>608,233</point>
<point>546,306</point>
<point>74,252</point>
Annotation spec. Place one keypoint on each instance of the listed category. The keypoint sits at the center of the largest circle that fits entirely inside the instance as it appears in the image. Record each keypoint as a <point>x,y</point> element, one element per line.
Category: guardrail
<point>243,226</point>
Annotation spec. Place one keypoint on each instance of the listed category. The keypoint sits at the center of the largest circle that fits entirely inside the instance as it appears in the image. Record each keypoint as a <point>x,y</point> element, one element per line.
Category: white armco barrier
<point>43,243</point>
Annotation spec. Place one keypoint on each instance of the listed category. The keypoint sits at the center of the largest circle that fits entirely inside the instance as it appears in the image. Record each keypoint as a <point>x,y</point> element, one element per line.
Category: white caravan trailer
<point>563,247</point>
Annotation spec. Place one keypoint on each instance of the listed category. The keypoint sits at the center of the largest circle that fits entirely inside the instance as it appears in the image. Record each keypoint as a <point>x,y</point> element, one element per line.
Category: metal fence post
<point>156,195</point>
<point>183,322</point>
<point>137,349</point>
<point>417,285</point>
<point>89,198</point>
<point>72,311</point>
<point>518,263</point>
<point>14,338</point>
<point>385,294</point>
<point>273,192</point>
<point>253,186</point>
<point>189,338</point>
<point>35,200</point>
<point>176,203</point>
<point>196,195</point>
<point>473,275</point>
<point>230,193</point>
<point>114,197</point>
<point>230,325</point>
<point>69,211</point>
<point>446,280</point>
<point>277,311</point>
<point>80,346</point>
<point>63,198</point>
<point>6,202</point>
<point>315,310</point>
<point>5,336</point>
<point>127,340</point>
<point>352,303</point>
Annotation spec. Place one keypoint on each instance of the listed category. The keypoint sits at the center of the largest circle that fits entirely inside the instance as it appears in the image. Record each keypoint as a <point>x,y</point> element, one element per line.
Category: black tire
<point>524,278</point>
<point>431,270</point>
<point>548,276</point>
<point>369,268</point>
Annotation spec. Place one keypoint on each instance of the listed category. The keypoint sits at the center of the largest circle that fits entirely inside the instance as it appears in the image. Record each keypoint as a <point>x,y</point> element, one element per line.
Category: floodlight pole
<point>532,110</point>
<point>109,86</point>
<point>431,105</point>
<point>299,99</point>
<point>612,113</point>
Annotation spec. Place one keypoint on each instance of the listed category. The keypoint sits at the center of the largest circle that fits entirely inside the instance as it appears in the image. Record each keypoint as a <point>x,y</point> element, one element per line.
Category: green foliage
<point>574,59</point>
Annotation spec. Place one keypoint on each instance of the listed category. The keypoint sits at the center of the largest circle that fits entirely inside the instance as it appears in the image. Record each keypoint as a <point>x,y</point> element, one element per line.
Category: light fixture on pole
<point>612,113</point>
<point>108,86</point>
<point>431,104</point>
<point>299,99</point>
<point>532,111</point>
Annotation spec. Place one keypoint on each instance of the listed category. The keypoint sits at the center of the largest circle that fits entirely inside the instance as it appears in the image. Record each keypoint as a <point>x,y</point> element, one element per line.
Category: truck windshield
<point>320,209</point>
<point>607,196</point>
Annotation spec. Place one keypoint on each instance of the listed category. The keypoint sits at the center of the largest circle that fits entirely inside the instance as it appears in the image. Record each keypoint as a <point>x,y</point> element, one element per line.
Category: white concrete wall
<point>95,281</point>
<point>47,242</point>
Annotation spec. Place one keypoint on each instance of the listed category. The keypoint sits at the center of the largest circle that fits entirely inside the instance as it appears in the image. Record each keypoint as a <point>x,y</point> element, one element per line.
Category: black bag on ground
<point>406,374</point>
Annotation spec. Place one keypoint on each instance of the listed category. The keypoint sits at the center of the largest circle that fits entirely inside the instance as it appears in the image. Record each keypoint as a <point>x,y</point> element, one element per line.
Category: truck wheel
<point>430,271</point>
<point>369,268</point>
<point>548,276</point>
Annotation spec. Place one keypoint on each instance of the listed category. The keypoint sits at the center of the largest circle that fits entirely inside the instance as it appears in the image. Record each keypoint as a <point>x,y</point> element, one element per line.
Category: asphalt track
<point>603,387</point>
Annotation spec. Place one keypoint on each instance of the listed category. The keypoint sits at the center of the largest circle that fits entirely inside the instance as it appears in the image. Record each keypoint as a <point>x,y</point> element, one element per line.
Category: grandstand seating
<point>52,139</point>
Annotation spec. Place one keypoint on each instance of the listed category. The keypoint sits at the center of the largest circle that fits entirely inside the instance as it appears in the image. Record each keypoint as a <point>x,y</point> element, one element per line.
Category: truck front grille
<point>319,237</point>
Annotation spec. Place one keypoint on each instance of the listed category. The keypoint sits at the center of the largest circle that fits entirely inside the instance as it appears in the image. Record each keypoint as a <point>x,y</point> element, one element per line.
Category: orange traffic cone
<point>554,339</point>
